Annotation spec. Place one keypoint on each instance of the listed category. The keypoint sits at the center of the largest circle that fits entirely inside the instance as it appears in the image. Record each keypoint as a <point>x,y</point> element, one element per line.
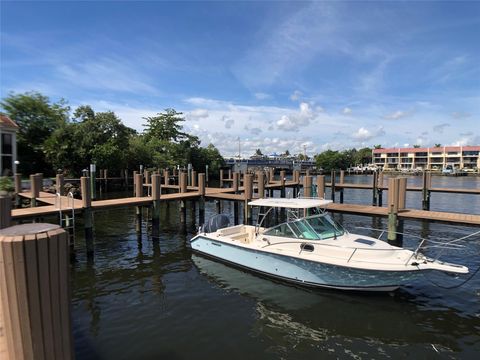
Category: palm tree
<point>377,146</point>
<point>438,145</point>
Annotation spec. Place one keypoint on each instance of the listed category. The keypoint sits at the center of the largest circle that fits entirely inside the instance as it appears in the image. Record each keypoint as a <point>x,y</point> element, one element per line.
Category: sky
<point>270,75</point>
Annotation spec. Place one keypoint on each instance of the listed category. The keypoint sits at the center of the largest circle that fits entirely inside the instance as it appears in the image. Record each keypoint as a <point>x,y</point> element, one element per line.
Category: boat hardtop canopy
<point>295,203</point>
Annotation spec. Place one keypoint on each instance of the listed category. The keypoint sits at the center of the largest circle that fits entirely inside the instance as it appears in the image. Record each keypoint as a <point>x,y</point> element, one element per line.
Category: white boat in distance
<point>311,249</point>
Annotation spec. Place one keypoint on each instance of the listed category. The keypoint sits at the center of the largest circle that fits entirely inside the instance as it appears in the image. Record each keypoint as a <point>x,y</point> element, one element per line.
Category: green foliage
<point>258,152</point>
<point>363,156</point>
<point>37,118</point>
<point>438,145</point>
<point>416,146</point>
<point>6,184</point>
<point>331,159</point>
<point>98,138</point>
<point>165,126</point>
<point>48,140</point>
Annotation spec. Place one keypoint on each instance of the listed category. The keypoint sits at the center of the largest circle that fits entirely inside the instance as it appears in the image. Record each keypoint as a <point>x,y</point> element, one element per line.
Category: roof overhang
<point>297,203</point>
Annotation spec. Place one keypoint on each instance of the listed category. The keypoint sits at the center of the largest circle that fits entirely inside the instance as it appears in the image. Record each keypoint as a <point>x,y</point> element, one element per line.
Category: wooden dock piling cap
<point>28,229</point>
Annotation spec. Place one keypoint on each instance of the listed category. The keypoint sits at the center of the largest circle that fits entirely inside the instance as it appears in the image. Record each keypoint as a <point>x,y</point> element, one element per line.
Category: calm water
<point>150,299</point>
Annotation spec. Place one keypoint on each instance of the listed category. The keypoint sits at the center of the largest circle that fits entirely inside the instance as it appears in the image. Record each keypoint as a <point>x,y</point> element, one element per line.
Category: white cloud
<point>461,115</point>
<point>396,115</point>
<point>347,111</point>
<point>198,114</point>
<point>296,95</point>
<point>364,134</point>
<point>262,96</point>
<point>440,127</point>
<point>294,121</point>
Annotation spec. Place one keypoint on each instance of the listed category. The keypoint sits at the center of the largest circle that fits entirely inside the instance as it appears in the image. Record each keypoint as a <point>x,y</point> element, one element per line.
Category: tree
<point>416,146</point>
<point>363,156</point>
<point>99,138</point>
<point>330,159</point>
<point>37,119</point>
<point>438,145</point>
<point>165,126</point>
<point>287,153</point>
<point>377,146</point>
<point>258,152</point>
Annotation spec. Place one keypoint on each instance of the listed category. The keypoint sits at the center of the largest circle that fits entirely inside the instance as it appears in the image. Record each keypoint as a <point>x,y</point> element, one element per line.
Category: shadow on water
<point>147,298</point>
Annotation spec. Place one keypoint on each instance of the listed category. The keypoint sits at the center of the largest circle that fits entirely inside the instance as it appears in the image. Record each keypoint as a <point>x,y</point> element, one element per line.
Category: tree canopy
<point>49,139</point>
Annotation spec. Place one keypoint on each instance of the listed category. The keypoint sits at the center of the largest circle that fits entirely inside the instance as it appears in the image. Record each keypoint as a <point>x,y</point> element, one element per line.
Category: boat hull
<point>301,271</point>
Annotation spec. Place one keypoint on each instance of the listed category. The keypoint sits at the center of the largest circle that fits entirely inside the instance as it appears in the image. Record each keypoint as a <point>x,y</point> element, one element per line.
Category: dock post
<point>321,186</point>
<point>60,184</point>
<point>135,182</point>
<point>282,183</point>
<point>189,174</point>
<point>166,177</point>
<point>342,179</point>
<point>427,177</point>
<point>206,175</point>
<point>138,193</point>
<point>35,190</point>
<point>248,186</point>
<point>156,191</point>
<point>261,184</point>
<point>332,183</point>
<point>235,182</point>
<point>194,179</point>
<point>105,180</point>
<point>307,186</point>
<point>221,178</point>
<point>18,190</point>
<point>35,288</point>
<point>85,186</point>
<point>201,201</point>
<point>380,189</point>
<point>271,172</point>
<point>374,188</point>
<point>93,181</point>
<point>182,182</point>
<point>393,193</point>
<point>5,212</point>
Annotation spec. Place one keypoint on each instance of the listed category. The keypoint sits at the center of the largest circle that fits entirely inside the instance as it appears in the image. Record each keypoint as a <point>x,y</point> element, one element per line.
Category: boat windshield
<point>316,227</point>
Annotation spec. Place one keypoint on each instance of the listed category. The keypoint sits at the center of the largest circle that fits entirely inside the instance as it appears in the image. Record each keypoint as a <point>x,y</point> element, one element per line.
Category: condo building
<point>432,158</point>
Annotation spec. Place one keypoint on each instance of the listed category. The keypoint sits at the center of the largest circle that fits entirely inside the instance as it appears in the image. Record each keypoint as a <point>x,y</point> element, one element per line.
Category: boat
<point>309,248</point>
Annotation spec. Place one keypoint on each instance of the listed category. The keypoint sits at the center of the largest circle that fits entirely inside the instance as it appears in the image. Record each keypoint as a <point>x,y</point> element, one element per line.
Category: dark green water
<point>153,299</point>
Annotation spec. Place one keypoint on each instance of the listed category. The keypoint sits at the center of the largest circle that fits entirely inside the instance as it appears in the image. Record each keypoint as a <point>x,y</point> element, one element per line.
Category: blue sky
<point>277,75</point>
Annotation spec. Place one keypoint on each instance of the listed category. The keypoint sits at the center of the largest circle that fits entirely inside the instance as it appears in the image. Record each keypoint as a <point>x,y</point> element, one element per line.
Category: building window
<point>7,147</point>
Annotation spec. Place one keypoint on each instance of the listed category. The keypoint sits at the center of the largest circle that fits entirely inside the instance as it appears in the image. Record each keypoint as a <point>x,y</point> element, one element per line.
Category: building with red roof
<point>8,145</point>
<point>431,158</point>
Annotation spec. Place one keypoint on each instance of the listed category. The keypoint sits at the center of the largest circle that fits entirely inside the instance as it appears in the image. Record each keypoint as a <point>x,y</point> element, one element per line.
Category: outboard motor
<point>216,222</point>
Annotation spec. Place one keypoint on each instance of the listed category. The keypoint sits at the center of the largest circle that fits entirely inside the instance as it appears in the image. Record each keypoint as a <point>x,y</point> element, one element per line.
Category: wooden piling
<point>138,185</point>
<point>235,182</point>
<point>156,193</point>
<point>380,189</point>
<point>261,184</point>
<point>201,201</point>
<point>426,184</point>
<point>307,186</point>
<point>271,172</point>
<point>332,182</point>
<point>60,184</point>
<point>321,186</point>
<point>135,183</point>
<point>282,183</point>
<point>166,177</point>
<point>396,202</point>
<point>5,212</point>
<point>221,178</point>
<point>183,181</point>
<point>18,190</point>
<point>248,186</point>
<point>342,176</point>
<point>194,179</point>
<point>35,289</point>
<point>87,213</point>
<point>374,188</point>
<point>35,190</point>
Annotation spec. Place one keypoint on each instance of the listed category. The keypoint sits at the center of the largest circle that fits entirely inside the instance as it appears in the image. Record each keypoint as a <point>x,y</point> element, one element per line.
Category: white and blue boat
<point>311,249</point>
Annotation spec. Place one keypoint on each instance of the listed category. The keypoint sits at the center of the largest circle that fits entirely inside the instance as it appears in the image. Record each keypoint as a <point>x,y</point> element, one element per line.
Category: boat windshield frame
<point>302,228</point>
